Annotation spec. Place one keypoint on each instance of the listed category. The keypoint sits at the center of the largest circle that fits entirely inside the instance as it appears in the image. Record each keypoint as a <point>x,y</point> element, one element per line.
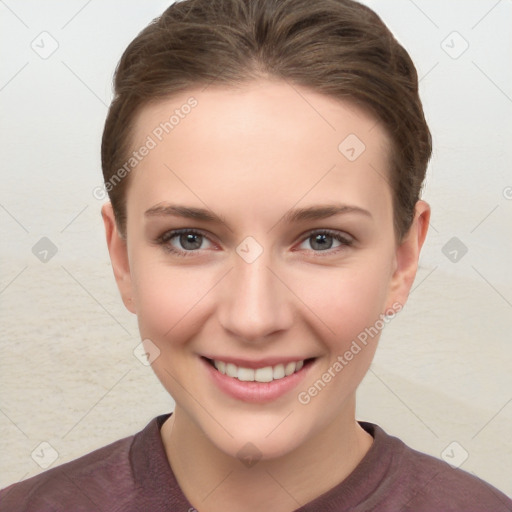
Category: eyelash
<point>164,240</point>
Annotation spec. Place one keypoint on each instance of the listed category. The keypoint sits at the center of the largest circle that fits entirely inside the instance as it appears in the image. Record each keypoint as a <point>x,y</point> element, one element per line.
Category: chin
<point>261,437</point>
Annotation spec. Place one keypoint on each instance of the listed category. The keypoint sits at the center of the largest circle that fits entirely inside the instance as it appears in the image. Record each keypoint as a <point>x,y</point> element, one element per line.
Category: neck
<point>213,481</point>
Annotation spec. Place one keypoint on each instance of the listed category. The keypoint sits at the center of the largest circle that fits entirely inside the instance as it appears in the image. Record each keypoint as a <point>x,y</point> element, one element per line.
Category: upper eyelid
<point>171,233</point>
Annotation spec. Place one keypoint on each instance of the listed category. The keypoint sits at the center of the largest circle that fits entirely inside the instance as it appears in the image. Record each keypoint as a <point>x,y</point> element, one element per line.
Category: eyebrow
<point>315,212</point>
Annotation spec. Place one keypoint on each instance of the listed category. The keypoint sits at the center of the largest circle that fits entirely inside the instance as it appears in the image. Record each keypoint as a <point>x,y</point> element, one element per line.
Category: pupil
<point>192,239</point>
<point>321,240</point>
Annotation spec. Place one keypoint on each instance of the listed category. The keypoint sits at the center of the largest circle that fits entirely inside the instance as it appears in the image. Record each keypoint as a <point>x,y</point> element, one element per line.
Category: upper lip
<point>259,363</point>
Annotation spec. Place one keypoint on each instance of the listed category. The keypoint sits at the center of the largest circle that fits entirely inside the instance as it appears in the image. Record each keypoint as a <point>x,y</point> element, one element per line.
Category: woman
<point>264,161</point>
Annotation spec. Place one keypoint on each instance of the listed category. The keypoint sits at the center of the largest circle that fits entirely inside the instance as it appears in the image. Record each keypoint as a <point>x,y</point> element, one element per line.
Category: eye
<point>187,242</point>
<point>183,242</point>
<point>324,240</point>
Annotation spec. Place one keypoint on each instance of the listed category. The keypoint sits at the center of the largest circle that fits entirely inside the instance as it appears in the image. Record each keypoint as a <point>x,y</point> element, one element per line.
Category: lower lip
<point>257,392</point>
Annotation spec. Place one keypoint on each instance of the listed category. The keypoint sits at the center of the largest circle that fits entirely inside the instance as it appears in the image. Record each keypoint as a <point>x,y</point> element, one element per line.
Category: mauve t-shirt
<point>133,475</point>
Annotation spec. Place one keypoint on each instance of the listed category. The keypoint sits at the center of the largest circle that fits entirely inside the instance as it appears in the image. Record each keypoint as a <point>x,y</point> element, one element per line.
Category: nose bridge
<point>254,303</point>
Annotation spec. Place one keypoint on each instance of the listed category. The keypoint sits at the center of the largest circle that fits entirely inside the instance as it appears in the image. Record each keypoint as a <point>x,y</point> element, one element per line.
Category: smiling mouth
<point>264,374</point>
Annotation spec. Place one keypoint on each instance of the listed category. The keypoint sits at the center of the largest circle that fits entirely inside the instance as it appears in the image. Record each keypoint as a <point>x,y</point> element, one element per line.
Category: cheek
<point>349,303</point>
<point>166,298</point>
<point>347,300</point>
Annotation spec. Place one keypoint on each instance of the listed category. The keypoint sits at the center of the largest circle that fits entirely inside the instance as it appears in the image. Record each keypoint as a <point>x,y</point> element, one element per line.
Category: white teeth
<point>289,369</point>
<point>245,374</point>
<point>221,366</point>
<point>231,370</point>
<point>278,372</point>
<point>266,374</point>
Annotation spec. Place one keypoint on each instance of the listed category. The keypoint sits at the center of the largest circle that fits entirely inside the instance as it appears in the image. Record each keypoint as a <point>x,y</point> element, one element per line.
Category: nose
<point>255,302</point>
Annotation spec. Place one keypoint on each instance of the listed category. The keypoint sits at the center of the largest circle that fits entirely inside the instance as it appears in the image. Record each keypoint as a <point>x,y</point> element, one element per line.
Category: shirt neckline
<point>155,477</point>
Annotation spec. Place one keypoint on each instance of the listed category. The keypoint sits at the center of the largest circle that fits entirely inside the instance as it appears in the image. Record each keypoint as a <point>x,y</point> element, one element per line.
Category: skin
<point>250,155</point>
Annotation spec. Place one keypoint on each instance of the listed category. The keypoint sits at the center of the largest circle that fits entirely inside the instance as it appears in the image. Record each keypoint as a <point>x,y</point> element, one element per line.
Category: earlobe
<point>118,250</point>
<point>407,255</point>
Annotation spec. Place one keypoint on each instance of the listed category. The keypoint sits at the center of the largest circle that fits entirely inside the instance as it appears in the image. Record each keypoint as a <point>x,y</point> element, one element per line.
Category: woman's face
<point>286,254</point>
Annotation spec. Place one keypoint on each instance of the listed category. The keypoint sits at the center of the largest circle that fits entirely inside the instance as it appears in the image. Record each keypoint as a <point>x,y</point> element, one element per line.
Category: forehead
<point>264,143</point>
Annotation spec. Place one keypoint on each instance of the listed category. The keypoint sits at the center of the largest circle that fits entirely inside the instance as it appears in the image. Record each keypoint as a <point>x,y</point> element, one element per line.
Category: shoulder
<point>78,485</point>
<point>424,483</point>
<point>128,475</point>
<point>439,486</point>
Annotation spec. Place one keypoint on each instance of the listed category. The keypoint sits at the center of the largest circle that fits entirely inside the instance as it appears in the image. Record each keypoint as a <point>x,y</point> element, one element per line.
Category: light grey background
<point>441,379</point>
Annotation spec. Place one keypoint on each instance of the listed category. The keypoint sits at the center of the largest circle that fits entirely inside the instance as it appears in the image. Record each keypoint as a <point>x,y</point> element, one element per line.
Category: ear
<point>118,250</point>
<point>407,256</point>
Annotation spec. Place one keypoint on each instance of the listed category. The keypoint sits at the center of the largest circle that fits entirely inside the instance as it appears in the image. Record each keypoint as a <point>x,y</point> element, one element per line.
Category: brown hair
<point>337,47</point>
